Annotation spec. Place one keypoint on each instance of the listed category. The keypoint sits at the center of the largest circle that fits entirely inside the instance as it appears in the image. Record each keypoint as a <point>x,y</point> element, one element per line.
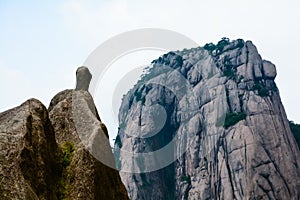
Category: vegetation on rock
<point>222,43</point>
<point>295,128</point>
<point>118,141</point>
<point>186,179</point>
<point>229,70</point>
<point>233,118</point>
<point>67,149</point>
<point>262,90</point>
<point>219,46</point>
<point>240,43</point>
<point>210,47</point>
<point>139,96</point>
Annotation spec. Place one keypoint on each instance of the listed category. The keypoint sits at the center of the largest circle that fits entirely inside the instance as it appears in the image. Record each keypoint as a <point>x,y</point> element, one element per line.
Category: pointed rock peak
<point>83,78</point>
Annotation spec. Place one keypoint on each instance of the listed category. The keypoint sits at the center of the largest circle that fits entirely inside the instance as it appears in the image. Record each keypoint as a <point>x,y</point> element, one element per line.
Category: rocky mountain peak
<point>218,110</point>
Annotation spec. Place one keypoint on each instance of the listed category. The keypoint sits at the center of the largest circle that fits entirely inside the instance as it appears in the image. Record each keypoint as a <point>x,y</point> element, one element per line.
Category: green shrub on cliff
<point>219,46</point>
<point>118,141</point>
<point>295,128</point>
<point>186,179</point>
<point>222,43</point>
<point>67,149</point>
<point>262,90</point>
<point>233,118</point>
<point>210,46</point>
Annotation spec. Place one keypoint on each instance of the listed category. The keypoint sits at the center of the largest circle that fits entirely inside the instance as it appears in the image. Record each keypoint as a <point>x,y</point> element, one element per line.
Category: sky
<point>43,42</point>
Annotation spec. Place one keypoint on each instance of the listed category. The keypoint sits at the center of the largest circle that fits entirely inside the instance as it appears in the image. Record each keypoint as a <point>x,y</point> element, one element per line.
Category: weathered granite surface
<point>29,155</point>
<point>226,115</point>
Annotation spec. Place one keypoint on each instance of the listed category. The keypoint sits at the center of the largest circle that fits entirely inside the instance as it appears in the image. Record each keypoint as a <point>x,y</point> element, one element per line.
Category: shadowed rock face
<point>242,146</point>
<point>29,155</point>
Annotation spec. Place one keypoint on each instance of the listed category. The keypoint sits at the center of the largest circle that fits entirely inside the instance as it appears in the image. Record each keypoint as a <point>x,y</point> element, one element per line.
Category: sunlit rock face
<point>220,109</point>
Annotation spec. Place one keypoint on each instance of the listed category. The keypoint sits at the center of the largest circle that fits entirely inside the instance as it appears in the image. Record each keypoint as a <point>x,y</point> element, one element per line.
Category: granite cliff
<point>220,110</point>
<point>43,157</point>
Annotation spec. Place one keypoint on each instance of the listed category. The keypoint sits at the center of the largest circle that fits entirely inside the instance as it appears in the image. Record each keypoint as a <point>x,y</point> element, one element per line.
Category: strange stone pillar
<point>83,78</point>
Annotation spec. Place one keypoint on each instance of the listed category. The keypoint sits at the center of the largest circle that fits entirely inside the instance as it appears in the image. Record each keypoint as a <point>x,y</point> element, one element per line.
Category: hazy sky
<point>42,43</point>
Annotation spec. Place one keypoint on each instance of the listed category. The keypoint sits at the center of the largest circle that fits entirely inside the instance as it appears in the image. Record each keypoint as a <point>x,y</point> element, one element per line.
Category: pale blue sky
<point>43,42</point>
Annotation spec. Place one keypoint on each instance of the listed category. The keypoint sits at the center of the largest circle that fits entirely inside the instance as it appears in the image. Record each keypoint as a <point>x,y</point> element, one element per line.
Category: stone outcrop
<point>84,177</point>
<point>220,109</point>
<point>29,164</point>
<point>54,154</point>
<point>83,78</point>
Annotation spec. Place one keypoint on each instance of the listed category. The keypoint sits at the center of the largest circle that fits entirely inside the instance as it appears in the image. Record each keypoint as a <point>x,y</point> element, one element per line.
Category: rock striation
<point>220,109</point>
<point>43,155</point>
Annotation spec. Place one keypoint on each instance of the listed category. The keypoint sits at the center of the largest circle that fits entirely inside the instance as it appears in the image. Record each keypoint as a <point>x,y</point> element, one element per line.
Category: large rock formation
<point>29,155</point>
<point>84,177</point>
<point>47,155</point>
<point>232,137</point>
